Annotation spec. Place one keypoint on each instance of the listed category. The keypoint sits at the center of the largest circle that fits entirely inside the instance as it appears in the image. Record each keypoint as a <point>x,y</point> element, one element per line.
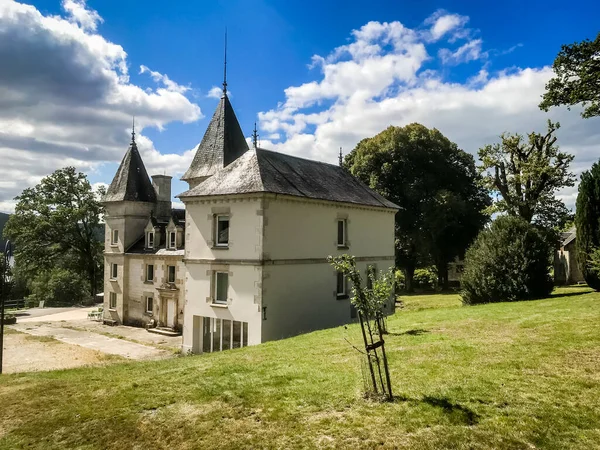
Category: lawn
<point>512,375</point>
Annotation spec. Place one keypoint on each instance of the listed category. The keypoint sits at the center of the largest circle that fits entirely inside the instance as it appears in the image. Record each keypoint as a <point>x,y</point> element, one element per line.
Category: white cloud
<point>169,84</point>
<point>66,98</point>
<point>443,23</point>
<point>382,78</point>
<point>216,92</point>
<point>471,51</point>
<point>77,12</point>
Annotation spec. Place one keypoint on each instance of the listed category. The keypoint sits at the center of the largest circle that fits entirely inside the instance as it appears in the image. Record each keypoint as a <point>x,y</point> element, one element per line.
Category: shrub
<point>425,278</point>
<point>400,280</point>
<point>59,287</point>
<point>510,261</point>
<point>587,221</point>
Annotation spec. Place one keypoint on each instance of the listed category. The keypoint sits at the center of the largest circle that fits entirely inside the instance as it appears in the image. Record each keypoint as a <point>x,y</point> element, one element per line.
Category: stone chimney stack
<point>162,186</point>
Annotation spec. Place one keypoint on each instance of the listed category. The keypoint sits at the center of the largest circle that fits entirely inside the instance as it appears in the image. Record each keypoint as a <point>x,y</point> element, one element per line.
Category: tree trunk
<point>442,270</point>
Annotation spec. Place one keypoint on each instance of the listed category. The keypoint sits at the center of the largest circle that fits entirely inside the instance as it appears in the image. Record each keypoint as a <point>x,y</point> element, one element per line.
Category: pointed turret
<point>131,182</point>
<point>222,144</point>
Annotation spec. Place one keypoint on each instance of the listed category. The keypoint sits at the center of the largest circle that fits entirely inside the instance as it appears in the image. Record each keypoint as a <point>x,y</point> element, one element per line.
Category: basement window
<point>223,334</point>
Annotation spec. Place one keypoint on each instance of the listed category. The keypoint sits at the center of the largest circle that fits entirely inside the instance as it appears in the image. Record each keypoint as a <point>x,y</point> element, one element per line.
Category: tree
<point>56,224</point>
<point>370,300</point>
<point>577,78</point>
<point>436,186</point>
<point>58,287</point>
<point>510,261</point>
<point>527,173</point>
<point>587,222</point>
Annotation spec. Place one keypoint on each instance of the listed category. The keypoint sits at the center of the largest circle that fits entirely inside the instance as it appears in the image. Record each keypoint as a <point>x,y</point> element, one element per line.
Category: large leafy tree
<point>57,224</point>
<point>587,221</point>
<point>527,173</point>
<point>577,78</point>
<point>437,187</point>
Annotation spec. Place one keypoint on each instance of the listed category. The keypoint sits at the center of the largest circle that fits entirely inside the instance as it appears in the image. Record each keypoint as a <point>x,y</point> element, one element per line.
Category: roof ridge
<point>298,157</point>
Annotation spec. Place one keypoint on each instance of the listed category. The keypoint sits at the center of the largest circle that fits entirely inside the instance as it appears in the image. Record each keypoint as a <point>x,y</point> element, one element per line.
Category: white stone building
<point>250,257</point>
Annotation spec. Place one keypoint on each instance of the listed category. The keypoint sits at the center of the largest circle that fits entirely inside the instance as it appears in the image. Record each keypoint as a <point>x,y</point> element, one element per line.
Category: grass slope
<point>511,375</point>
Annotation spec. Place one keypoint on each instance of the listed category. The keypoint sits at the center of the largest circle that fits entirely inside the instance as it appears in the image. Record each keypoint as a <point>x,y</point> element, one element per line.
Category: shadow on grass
<point>459,413</point>
<point>415,332</point>
<point>569,294</point>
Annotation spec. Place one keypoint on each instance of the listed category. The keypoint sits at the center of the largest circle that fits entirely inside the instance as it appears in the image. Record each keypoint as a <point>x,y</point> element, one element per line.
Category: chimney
<point>162,186</point>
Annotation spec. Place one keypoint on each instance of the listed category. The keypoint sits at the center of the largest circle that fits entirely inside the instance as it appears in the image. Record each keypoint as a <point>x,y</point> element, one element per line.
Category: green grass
<point>511,375</point>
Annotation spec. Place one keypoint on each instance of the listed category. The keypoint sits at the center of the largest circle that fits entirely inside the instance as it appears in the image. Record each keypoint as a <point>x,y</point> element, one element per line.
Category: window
<point>149,304</point>
<point>222,231</point>
<point>172,239</point>
<point>371,274</point>
<point>341,233</point>
<point>115,237</point>
<point>223,334</point>
<point>150,239</point>
<point>221,284</point>
<point>149,272</point>
<point>114,271</point>
<point>112,301</point>
<point>341,285</point>
<point>170,274</point>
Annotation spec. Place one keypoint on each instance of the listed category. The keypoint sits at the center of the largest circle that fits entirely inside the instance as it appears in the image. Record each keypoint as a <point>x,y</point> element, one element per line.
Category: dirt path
<point>94,341</point>
<point>27,353</point>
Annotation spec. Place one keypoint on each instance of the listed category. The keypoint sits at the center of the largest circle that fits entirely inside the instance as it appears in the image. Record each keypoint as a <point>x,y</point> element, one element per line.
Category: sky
<point>315,76</point>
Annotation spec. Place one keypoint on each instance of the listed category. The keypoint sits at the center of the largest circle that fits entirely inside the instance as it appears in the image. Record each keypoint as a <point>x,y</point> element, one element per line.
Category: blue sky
<point>93,64</point>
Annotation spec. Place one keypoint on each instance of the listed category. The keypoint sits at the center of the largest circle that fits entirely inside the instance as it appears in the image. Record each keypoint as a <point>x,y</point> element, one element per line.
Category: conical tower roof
<point>223,143</point>
<point>131,182</point>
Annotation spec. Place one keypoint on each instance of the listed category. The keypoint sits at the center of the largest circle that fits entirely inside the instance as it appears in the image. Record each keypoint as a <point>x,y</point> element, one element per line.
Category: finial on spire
<point>341,159</point>
<point>255,136</point>
<point>225,67</point>
<point>133,129</point>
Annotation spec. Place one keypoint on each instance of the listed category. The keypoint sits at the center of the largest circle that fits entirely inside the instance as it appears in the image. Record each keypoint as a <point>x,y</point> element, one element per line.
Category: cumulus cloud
<point>385,76</point>
<point>442,23</point>
<point>471,51</point>
<point>66,98</point>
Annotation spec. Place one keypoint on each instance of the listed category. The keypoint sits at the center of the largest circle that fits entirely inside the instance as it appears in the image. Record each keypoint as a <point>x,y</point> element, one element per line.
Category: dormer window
<point>222,231</point>
<point>172,239</point>
<point>150,239</point>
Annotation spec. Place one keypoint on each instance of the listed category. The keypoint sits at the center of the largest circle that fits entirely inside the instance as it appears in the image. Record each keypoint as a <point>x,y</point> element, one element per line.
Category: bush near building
<point>510,261</point>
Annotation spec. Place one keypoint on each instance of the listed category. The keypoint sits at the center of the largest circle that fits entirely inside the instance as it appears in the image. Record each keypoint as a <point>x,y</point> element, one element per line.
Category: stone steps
<point>164,331</point>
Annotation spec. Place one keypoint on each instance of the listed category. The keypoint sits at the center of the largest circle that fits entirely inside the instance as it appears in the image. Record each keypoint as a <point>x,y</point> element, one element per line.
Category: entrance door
<point>171,313</point>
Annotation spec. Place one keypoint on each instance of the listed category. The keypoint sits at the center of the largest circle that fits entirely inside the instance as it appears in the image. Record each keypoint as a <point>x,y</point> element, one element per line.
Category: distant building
<point>566,269</point>
<point>247,263</point>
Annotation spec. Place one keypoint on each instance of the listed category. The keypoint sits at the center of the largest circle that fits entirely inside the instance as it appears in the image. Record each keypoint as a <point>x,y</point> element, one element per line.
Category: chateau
<point>246,261</point>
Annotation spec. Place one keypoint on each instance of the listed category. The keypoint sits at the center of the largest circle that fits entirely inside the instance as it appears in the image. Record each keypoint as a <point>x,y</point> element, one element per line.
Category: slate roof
<point>568,236</point>
<point>223,143</point>
<point>260,170</point>
<point>131,181</point>
<point>139,246</point>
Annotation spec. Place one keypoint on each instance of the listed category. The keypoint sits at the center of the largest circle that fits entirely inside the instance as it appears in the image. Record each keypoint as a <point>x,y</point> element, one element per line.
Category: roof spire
<point>133,130</point>
<point>255,136</point>
<point>341,160</point>
<point>225,67</point>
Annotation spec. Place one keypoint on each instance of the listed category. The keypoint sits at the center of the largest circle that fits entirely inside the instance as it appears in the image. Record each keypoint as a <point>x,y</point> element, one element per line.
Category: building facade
<point>249,262</point>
